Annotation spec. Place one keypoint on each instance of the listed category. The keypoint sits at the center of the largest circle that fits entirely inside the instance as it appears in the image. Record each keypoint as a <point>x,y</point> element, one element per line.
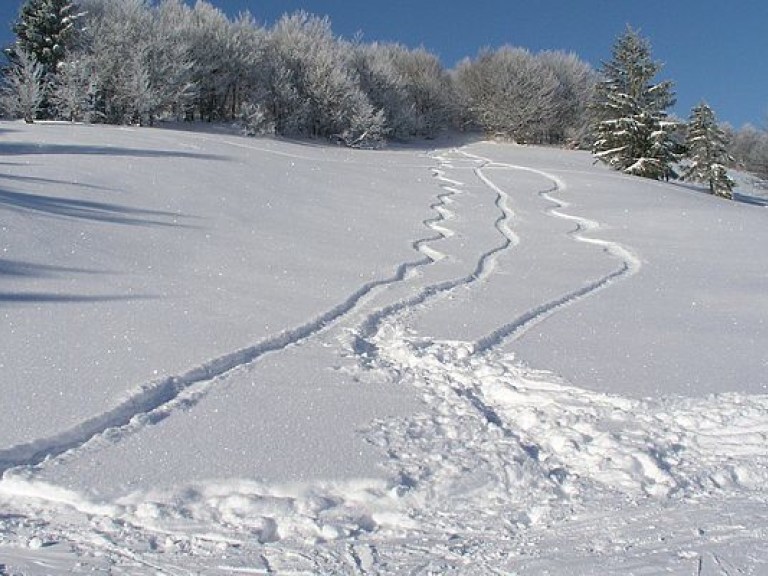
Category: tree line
<point>138,62</point>
<point>131,61</point>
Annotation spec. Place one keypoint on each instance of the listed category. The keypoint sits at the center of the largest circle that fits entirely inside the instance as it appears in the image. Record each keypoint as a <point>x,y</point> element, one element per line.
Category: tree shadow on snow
<point>20,298</point>
<point>18,269</point>
<point>15,269</point>
<point>737,196</point>
<point>38,180</point>
<point>25,149</point>
<point>88,210</point>
<point>747,199</point>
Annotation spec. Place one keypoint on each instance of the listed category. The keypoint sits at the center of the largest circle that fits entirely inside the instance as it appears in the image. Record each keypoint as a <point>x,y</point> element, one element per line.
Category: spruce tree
<point>45,29</point>
<point>707,151</point>
<point>632,131</point>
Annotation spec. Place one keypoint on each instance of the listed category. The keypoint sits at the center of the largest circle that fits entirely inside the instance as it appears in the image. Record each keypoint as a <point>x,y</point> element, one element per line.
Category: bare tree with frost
<point>569,121</point>
<point>749,147</point>
<point>75,89</point>
<point>311,90</point>
<point>23,88</point>
<point>378,77</point>
<point>429,93</point>
<point>508,92</point>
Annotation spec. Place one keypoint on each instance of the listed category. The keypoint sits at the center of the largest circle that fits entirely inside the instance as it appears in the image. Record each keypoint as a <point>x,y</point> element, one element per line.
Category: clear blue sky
<point>712,50</point>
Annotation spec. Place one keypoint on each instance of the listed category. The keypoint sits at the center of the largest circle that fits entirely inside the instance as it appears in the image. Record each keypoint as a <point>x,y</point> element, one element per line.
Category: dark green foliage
<point>632,131</point>
<point>707,152</point>
<point>45,29</point>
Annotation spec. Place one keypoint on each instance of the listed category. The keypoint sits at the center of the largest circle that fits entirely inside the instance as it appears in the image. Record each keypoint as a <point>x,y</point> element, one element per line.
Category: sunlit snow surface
<point>225,355</point>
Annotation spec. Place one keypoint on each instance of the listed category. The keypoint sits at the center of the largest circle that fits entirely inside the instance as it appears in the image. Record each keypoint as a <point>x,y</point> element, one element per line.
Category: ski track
<point>154,401</point>
<point>486,263</point>
<point>500,454</point>
<point>630,264</point>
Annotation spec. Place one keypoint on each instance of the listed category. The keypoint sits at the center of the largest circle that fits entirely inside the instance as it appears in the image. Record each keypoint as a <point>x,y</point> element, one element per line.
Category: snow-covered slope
<point>226,355</point>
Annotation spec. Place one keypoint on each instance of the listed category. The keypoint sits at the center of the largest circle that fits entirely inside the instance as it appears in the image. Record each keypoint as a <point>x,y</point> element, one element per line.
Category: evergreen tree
<point>631,127</point>
<point>45,29</point>
<point>707,151</point>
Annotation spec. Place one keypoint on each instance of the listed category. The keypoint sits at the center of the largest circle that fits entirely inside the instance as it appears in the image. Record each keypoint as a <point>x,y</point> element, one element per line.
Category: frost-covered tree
<point>46,29</point>
<point>428,89</point>
<point>227,59</point>
<point>167,62</point>
<point>508,92</point>
<point>140,56</point>
<point>115,36</point>
<point>385,87</point>
<point>749,147</point>
<point>23,88</point>
<point>707,151</point>
<point>311,90</point>
<point>569,121</point>
<point>632,130</point>
<point>74,92</point>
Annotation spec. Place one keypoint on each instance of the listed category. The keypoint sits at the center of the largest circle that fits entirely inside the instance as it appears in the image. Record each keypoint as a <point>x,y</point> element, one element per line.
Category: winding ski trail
<point>153,401</point>
<point>486,263</point>
<point>498,471</point>
<point>629,263</point>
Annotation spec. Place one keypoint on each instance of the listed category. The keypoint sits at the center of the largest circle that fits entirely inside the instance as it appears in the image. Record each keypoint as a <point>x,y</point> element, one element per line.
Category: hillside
<point>229,355</point>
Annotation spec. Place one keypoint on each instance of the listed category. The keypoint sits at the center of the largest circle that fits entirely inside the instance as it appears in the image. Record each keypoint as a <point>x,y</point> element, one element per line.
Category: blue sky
<point>712,50</point>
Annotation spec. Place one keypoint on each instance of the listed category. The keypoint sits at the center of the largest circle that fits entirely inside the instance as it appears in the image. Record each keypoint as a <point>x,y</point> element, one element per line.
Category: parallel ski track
<point>486,263</point>
<point>629,263</point>
<point>155,401</point>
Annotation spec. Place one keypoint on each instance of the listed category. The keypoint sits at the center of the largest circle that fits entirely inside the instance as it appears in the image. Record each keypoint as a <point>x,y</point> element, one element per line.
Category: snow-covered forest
<point>137,62</point>
<point>132,62</point>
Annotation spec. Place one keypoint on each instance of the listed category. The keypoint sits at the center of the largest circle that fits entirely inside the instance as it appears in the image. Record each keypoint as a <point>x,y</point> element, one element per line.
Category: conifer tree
<point>707,150</point>
<point>45,29</point>
<point>633,133</point>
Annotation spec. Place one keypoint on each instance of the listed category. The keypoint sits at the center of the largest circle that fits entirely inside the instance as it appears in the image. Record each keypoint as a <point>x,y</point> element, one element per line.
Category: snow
<point>227,355</point>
